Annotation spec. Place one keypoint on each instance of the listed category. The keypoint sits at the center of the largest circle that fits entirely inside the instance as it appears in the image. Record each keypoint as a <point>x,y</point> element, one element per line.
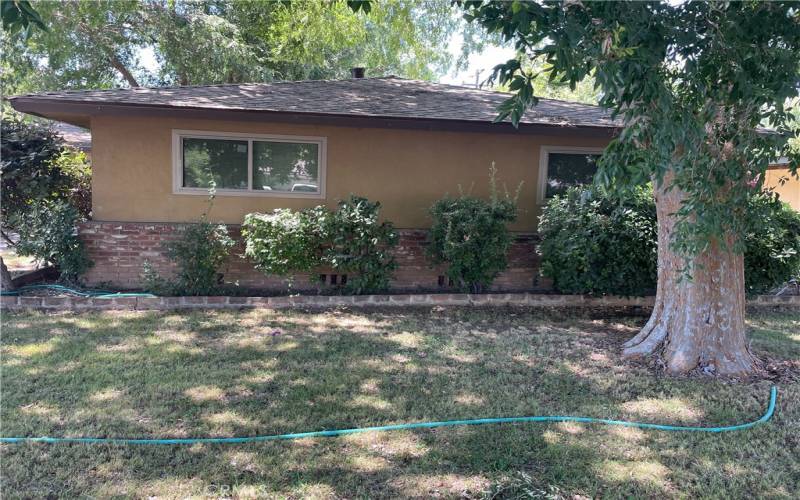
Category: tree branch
<point>117,65</point>
<point>111,56</point>
<point>7,238</point>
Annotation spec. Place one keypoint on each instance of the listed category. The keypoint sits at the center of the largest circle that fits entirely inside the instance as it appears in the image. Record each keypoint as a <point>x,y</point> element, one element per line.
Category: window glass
<point>565,170</point>
<point>221,161</point>
<point>286,166</point>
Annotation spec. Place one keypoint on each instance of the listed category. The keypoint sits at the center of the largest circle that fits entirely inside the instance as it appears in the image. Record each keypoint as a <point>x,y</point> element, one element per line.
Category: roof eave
<point>80,112</point>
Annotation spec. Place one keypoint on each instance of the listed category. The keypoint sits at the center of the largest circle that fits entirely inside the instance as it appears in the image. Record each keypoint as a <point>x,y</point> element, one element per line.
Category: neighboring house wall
<point>405,170</point>
<point>788,191</point>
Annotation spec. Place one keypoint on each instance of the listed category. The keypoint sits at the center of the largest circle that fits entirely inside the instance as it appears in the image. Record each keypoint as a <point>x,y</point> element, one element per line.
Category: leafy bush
<point>37,165</point>
<point>357,244</point>
<point>773,244</point>
<point>350,240</point>
<point>76,167</point>
<point>284,241</point>
<point>591,243</point>
<point>470,235</point>
<point>46,191</point>
<point>47,232</point>
<point>199,252</point>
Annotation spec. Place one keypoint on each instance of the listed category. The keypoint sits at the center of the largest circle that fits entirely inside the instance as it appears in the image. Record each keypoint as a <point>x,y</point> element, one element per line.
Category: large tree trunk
<point>697,322</point>
<point>6,283</point>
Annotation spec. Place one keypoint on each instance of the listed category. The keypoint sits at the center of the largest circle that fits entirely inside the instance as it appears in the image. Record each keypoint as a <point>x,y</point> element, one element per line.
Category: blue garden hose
<point>420,425</point>
<point>97,294</point>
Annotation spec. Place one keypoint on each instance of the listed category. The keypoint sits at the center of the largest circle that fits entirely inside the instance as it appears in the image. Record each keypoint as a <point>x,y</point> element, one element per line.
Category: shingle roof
<point>386,97</point>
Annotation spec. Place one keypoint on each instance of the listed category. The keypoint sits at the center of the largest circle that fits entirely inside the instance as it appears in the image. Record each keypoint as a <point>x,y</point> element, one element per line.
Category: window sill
<point>251,194</point>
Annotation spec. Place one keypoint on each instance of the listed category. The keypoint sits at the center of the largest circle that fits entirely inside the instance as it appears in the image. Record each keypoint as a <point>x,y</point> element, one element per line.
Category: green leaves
<point>41,178</point>
<point>690,81</point>
<point>364,6</point>
<point>20,15</point>
<point>510,76</point>
<point>600,243</point>
<point>596,244</point>
<point>284,241</point>
<point>772,240</point>
<point>470,236</point>
<point>358,245</point>
<point>104,43</point>
<point>199,252</point>
<point>47,232</point>
<point>351,240</point>
<point>46,191</point>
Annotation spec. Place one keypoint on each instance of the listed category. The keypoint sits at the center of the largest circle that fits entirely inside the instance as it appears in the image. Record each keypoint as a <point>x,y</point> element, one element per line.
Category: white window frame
<point>544,160</point>
<point>177,162</point>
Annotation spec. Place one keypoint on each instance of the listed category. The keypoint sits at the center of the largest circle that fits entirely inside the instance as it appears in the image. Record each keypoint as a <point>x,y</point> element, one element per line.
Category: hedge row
<point>596,244</point>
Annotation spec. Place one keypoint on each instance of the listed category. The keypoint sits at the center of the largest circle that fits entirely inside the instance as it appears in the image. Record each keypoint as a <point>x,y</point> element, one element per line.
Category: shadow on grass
<point>257,373</point>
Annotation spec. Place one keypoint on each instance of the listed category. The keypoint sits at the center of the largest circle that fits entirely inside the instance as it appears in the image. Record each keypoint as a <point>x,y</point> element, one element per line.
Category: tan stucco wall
<point>406,170</point>
<point>789,192</point>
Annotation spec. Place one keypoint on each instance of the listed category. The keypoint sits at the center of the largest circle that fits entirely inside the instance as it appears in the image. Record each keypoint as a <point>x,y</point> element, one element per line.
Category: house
<point>780,180</point>
<point>405,143</point>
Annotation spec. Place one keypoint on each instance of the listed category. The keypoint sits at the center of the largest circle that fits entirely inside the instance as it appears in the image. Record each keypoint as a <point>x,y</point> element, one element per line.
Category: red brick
<point>258,301</point>
<point>9,301</point>
<point>170,302</point>
<point>122,302</point>
<point>120,249</point>
<point>279,301</point>
<point>57,302</point>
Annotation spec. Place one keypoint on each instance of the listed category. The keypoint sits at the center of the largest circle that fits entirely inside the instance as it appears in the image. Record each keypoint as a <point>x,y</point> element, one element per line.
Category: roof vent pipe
<point>357,72</point>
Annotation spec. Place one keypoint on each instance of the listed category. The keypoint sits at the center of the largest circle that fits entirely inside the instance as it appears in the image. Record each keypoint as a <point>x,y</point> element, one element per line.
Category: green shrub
<point>47,232</point>
<point>46,191</point>
<point>470,236</point>
<point>284,241</point>
<point>75,165</point>
<point>358,245</point>
<point>592,243</point>
<point>36,165</point>
<point>199,252</point>
<point>351,240</point>
<point>773,244</point>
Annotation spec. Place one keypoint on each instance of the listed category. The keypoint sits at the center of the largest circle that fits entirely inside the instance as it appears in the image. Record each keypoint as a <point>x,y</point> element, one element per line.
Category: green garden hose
<point>97,294</point>
<point>420,425</point>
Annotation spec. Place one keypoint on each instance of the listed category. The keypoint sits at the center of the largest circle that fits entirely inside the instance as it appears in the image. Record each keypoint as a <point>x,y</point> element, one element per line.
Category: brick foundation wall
<point>119,249</point>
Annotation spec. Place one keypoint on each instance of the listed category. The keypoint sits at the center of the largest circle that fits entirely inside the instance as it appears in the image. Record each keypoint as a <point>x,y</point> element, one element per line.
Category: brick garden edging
<point>322,301</point>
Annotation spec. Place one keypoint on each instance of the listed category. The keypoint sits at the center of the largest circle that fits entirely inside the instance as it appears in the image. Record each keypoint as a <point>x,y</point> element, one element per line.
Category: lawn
<point>263,372</point>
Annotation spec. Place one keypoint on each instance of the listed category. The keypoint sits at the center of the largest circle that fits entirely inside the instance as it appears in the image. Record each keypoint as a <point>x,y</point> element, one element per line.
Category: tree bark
<point>111,55</point>
<point>6,283</point>
<point>697,322</point>
<point>115,63</point>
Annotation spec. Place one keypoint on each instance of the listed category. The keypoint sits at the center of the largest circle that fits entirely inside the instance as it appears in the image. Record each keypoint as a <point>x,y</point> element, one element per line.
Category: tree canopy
<point>691,83</point>
<point>103,43</point>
